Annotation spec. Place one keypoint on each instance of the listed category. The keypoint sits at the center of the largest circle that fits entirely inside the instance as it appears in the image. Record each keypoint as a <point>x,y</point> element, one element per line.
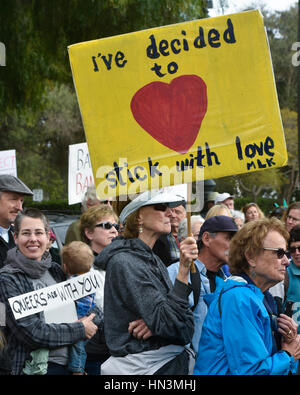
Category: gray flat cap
<point>11,183</point>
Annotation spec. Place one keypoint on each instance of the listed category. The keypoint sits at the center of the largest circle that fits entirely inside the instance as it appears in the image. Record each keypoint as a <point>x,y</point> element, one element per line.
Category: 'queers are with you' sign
<point>179,103</point>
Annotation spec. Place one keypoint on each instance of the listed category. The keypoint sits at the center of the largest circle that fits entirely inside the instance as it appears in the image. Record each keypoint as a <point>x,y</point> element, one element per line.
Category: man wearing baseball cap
<point>225,198</point>
<point>213,246</point>
<point>12,192</point>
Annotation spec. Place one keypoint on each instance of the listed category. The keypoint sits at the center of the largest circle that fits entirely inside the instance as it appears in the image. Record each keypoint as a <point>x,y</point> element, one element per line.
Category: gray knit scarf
<point>31,267</point>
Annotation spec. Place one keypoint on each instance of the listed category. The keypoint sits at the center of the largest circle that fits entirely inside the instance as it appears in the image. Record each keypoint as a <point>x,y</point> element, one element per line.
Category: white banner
<point>54,296</point>
<point>8,163</point>
<point>80,172</point>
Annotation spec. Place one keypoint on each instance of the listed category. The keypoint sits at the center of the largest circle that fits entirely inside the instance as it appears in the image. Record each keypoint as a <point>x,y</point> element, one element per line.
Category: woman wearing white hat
<point>138,287</point>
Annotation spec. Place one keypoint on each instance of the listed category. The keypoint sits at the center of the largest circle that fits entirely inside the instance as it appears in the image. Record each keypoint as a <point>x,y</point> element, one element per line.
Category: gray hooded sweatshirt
<point>137,285</point>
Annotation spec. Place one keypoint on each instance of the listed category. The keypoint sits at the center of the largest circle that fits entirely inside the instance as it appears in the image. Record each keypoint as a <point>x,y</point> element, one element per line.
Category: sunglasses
<point>280,252</point>
<point>107,225</point>
<point>106,202</point>
<point>294,249</point>
<point>160,207</point>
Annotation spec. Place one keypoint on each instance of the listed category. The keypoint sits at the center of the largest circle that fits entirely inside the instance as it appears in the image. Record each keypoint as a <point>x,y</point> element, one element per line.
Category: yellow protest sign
<point>178,103</point>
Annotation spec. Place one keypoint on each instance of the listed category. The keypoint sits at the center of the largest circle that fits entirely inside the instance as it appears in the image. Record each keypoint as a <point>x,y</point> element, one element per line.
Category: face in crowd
<point>32,238</point>
<point>292,219</point>
<point>179,214</point>
<point>229,203</point>
<point>104,231</point>
<point>251,214</point>
<point>156,219</point>
<point>11,204</point>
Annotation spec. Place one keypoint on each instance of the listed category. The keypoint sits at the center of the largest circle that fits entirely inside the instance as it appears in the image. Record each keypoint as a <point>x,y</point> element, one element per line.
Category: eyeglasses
<point>280,252</point>
<point>294,249</point>
<point>160,207</point>
<point>107,225</point>
<point>293,219</point>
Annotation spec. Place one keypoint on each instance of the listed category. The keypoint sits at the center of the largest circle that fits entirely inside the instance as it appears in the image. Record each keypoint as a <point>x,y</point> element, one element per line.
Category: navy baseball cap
<point>218,223</point>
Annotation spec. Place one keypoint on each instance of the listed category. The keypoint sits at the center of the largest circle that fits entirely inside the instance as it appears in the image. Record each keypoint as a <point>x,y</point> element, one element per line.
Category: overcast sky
<point>238,5</point>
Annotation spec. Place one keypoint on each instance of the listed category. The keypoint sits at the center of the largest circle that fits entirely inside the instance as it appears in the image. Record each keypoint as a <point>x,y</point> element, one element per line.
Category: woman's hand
<point>89,327</point>
<point>188,253</point>
<point>287,328</point>
<point>139,329</point>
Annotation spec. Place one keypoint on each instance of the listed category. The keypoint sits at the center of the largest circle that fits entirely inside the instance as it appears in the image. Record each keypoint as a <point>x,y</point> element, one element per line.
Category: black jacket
<point>162,249</point>
<point>4,247</point>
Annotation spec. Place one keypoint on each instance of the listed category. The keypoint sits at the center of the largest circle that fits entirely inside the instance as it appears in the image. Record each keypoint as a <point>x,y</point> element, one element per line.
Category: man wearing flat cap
<point>213,246</point>
<point>12,192</point>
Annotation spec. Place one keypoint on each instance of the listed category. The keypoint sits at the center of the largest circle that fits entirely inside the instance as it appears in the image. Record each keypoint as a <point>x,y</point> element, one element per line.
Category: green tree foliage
<point>290,172</point>
<point>282,28</point>
<point>38,107</point>
<point>41,139</point>
<point>282,31</point>
<point>37,33</point>
<point>254,185</point>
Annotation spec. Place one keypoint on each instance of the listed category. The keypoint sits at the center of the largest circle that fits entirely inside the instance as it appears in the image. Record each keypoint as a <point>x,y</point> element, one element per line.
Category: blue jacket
<point>240,340</point>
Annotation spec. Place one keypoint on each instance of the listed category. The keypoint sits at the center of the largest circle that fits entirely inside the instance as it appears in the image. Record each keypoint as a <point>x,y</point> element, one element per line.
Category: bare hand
<point>287,328</point>
<point>293,347</point>
<point>89,327</point>
<point>139,329</point>
<point>188,251</point>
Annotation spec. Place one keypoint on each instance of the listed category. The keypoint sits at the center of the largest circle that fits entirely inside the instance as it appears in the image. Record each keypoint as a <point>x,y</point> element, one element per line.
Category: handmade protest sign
<point>80,175</point>
<point>8,164</point>
<point>56,295</point>
<point>179,103</point>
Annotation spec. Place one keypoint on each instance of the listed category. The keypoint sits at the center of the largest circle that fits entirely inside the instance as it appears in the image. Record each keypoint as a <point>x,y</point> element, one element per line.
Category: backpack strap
<point>219,302</point>
<point>196,285</point>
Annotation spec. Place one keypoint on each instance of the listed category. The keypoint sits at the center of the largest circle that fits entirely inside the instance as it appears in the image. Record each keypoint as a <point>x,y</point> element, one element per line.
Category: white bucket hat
<point>148,198</point>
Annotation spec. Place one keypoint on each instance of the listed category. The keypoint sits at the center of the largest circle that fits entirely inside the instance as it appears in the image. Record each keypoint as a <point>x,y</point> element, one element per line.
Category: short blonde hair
<point>78,257</point>
<point>218,209</point>
<point>249,239</point>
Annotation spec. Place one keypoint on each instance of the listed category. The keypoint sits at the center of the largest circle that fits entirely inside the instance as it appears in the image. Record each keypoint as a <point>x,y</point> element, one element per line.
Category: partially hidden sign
<point>179,103</point>
<point>80,172</point>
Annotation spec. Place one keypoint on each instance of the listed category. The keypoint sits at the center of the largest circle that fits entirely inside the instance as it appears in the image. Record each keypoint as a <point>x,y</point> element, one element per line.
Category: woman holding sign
<point>138,289</point>
<point>28,268</point>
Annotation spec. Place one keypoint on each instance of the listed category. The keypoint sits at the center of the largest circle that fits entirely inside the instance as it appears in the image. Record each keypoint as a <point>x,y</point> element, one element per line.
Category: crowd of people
<point>220,297</point>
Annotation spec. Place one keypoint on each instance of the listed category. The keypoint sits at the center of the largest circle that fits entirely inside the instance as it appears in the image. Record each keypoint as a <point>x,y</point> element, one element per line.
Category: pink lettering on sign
<point>7,162</point>
<point>82,182</point>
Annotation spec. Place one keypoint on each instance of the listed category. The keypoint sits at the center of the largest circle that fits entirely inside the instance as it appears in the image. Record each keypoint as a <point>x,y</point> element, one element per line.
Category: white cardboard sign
<point>80,172</point>
<point>54,296</point>
<point>8,163</point>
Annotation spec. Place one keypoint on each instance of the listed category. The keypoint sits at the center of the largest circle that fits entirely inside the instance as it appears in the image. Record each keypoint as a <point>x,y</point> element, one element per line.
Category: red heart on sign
<point>172,113</point>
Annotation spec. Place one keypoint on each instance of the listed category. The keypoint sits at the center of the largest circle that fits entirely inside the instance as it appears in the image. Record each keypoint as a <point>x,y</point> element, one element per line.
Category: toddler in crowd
<point>78,258</point>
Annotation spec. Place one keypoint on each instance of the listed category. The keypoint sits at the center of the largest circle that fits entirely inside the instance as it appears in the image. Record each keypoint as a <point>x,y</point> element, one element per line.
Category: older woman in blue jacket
<point>241,333</point>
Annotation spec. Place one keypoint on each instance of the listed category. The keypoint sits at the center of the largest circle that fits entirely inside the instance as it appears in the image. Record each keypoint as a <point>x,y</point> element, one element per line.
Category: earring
<point>140,228</point>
